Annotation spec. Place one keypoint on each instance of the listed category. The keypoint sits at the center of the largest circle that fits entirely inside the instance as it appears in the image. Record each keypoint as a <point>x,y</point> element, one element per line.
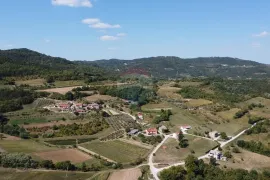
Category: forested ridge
<point>25,62</point>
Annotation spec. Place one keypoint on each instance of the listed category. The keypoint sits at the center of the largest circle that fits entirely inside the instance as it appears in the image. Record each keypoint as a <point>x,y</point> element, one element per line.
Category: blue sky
<point>127,29</point>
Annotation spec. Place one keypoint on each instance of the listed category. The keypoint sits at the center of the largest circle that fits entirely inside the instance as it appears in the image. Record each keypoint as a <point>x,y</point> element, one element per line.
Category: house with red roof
<point>151,131</point>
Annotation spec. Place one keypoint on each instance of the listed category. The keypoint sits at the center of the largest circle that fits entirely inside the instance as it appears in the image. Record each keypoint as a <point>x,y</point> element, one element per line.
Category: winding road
<point>155,170</point>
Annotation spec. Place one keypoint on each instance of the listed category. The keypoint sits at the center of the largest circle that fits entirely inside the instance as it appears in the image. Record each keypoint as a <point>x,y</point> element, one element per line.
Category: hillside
<point>165,66</point>
<point>25,62</point>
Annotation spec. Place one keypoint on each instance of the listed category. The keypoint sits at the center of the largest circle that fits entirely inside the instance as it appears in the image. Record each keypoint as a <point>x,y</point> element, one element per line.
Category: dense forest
<point>228,91</point>
<point>28,63</point>
<point>14,99</point>
<point>132,93</point>
<point>175,67</point>
<point>198,170</point>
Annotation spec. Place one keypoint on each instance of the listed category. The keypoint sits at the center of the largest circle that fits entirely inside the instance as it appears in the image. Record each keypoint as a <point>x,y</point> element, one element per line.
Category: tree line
<point>198,170</point>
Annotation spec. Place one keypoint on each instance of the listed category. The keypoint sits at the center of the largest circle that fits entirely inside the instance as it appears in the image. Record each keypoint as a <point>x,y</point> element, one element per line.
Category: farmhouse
<point>151,131</point>
<point>185,127</point>
<point>140,115</point>
<point>217,155</point>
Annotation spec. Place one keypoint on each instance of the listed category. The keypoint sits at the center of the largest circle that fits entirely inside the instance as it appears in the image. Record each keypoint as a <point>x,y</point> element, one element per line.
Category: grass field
<point>31,82</point>
<point>12,174</point>
<point>168,153</point>
<point>247,160</point>
<point>156,107</point>
<point>117,150</point>
<point>24,146</point>
<point>167,91</point>
<point>198,102</point>
<point>69,83</point>
<point>126,174</point>
<point>73,155</point>
<point>262,137</point>
<point>228,114</point>
<point>261,112</point>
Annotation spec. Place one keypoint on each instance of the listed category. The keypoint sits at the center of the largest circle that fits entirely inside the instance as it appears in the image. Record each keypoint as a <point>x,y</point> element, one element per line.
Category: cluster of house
<point>75,107</point>
<point>149,131</point>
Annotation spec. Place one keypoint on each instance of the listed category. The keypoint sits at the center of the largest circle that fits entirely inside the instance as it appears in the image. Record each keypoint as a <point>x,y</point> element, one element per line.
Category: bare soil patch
<point>63,90</point>
<point>97,97</point>
<point>130,174</point>
<point>72,155</point>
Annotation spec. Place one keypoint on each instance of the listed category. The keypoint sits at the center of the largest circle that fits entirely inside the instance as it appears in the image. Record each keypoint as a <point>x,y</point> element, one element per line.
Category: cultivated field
<point>65,142</point>
<point>73,155</point>
<point>62,90</point>
<point>13,174</point>
<point>24,146</point>
<point>130,174</point>
<point>97,97</point>
<point>169,92</point>
<point>117,150</point>
<point>168,153</point>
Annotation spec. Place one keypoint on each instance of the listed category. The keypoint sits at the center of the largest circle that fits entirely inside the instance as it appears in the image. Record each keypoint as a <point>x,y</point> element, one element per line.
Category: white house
<point>140,115</point>
<point>217,155</point>
<point>185,127</point>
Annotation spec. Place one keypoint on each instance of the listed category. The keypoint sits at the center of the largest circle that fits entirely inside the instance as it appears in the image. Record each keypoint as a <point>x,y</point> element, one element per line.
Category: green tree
<point>3,121</point>
<point>223,135</point>
<point>213,161</point>
<point>174,173</point>
<point>180,136</point>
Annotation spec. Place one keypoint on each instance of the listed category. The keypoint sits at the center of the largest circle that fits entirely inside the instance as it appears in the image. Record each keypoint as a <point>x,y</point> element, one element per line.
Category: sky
<point>128,29</point>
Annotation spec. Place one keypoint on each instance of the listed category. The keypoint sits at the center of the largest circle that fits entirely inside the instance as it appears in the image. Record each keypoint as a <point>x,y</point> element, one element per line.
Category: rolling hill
<point>25,62</point>
<point>172,67</point>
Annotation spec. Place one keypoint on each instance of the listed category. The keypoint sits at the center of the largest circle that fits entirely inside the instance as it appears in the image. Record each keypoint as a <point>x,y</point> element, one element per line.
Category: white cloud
<point>9,45</point>
<point>91,21</point>
<point>256,45</point>
<point>121,34</point>
<point>108,38</point>
<point>98,24</point>
<point>262,34</point>
<point>102,25</point>
<point>72,3</point>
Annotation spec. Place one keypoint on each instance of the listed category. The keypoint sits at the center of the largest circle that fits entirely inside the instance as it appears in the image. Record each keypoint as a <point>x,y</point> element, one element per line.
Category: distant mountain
<point>172,67</point>
<point>25,62</point>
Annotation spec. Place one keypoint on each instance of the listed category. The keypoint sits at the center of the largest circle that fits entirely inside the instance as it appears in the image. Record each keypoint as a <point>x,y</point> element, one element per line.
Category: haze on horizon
<point>103,29</point>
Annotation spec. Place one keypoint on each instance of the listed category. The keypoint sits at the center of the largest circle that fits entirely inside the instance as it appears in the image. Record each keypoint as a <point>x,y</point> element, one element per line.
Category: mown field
<point>24,146</point>
<point>156,107</point>
<point>117,150</point>
<point>168,153</point>
<point>12,174</point>
<point>198,102</point>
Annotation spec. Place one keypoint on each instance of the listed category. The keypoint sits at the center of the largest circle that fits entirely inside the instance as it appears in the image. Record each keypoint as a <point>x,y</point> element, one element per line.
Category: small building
<point>64,106</point>
<point>217,155</point>
<point>162,128</point>
<point>151,131</point>
<point>213,134</point>
<point>133,132</point>
<point>140,115</point>
<point>185,127</point>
